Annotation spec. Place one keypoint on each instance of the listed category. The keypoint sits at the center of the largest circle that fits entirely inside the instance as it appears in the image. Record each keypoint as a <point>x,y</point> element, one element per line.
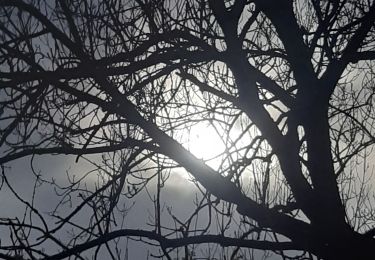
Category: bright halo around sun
<point>205,143</point>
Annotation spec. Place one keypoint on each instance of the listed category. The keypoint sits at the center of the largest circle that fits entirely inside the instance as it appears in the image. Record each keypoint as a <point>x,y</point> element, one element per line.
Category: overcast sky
<point>178,194</point>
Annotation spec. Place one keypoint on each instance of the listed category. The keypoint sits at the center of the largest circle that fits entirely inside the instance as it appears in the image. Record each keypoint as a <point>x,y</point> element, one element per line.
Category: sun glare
<point>205,143</point>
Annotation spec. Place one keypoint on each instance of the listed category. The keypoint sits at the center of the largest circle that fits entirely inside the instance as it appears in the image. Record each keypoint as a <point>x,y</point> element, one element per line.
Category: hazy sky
<point>178,194</point>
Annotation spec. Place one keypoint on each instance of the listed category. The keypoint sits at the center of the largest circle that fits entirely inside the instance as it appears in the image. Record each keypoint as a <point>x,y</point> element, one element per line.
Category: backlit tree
<point>286,87</point>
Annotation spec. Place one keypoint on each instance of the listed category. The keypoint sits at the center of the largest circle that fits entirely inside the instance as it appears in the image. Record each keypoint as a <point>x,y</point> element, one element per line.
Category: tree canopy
<point>118,89</point>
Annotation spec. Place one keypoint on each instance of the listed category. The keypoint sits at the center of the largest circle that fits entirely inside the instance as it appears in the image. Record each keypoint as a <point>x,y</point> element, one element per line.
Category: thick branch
<point>79,151</point>
<point>177,242</point>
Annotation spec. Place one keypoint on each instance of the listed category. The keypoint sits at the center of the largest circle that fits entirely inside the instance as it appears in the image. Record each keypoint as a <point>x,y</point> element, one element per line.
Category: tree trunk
<point>348,246</point>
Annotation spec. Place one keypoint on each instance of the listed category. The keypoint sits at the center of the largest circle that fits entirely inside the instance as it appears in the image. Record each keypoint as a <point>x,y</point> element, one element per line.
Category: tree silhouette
<point>286,86</point>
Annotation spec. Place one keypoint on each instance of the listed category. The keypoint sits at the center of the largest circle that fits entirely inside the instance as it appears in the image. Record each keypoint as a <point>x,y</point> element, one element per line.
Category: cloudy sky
<point>178,195</point>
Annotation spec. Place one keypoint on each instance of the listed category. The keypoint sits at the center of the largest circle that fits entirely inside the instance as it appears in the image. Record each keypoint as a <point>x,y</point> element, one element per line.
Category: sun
<point>205,143</point>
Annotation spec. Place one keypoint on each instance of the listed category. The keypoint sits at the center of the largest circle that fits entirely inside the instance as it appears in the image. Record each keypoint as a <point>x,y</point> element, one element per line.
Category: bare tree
<point>286,86</point>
